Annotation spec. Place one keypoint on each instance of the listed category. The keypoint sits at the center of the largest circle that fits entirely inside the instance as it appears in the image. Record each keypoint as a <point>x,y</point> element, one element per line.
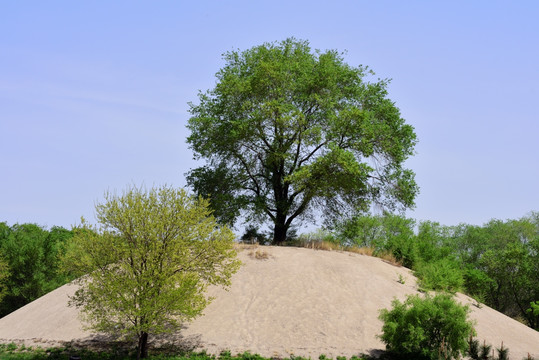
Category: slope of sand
<point>298,301</point>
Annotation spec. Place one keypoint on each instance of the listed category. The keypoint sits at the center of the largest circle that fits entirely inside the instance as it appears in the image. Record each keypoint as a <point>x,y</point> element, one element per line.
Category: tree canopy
<point>287,130</point>
<point>30,252</point>
<point>149,262</point>
<point>496,263</point>
<point>4,274</point>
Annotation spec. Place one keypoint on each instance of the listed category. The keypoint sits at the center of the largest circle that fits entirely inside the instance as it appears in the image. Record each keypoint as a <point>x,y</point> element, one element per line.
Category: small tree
<point>485,351</point>
<point>252,235</point>
<point>473,347</point>
<point>149,262</point>
<point>503,353</point>
<point>420,327</point>
<point>440,275</point>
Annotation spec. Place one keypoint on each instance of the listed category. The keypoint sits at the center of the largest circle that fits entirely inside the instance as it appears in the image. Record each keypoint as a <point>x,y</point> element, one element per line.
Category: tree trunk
<point>142,349</point>
<point>280,230</point>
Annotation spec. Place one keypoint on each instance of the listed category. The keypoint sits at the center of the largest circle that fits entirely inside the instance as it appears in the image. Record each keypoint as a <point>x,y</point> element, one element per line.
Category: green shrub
<point>484,351</point>
<point>253,236</point>
<point>440,275</point>
<point>420,327</point>
<point>503,353</point>
<point>473,348</point>
<point>477,283</point>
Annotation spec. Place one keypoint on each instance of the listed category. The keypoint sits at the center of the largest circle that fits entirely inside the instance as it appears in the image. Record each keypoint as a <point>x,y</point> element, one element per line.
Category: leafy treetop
<point>149,262</point>
<point>287,130</point>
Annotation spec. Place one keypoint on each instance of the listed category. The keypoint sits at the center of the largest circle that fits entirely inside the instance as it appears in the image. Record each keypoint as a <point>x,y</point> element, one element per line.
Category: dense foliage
<point>13,352</point>
<point>148,263</point>
<point>4,275</point>
<point>497,263</point>
<point>29,263</point>
<point>425,328</point>
<point>287,130</point>
<point>501,264</point>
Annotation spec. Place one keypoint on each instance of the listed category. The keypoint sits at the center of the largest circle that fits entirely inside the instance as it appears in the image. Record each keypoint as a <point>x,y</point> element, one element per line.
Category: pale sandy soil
<point>299,302</point>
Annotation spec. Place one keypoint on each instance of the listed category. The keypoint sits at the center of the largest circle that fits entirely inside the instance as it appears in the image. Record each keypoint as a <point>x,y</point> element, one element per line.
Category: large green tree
<point>287,130</point>
<point>149,262</point>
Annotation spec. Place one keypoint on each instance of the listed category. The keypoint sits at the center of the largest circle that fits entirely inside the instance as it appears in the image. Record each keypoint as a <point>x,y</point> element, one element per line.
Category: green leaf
<point>291,131</point>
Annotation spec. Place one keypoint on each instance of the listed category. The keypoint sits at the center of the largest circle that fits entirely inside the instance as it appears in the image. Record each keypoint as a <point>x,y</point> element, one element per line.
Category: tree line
<point>496,263</point>
<point>29,263</point>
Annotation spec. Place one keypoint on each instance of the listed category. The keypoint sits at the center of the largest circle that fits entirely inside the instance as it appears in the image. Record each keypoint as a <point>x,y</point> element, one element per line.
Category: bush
<point>440,275</point>
<point>420,328</point>
<point>477,283</point>
<point>253,236</point>
<point>387,234</point>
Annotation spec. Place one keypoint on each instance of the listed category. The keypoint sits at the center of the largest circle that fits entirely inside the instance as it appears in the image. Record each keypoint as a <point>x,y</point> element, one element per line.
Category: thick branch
<point>299,210</point>
<point>248,170</point>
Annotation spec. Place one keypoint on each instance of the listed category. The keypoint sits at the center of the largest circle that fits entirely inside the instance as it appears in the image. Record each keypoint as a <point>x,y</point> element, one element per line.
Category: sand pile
<point>298,301</point>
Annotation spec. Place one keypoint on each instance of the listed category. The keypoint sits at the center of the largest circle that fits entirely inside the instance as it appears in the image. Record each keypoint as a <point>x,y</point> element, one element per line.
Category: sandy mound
<point>297,301</point>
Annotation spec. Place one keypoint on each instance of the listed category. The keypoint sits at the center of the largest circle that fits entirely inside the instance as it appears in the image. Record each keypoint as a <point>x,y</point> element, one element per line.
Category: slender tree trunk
<point>142,349</point>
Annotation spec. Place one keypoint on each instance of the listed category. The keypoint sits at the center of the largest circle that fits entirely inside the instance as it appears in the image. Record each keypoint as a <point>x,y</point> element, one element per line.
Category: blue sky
<point>94,94</point>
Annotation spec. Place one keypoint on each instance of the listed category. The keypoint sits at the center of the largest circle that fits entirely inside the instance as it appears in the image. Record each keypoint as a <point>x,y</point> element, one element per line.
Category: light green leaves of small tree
<point>149,262</point>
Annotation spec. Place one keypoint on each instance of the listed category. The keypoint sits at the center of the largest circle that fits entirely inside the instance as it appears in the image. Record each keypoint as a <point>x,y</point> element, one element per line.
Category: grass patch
<point>64,353</point>
<point>322,245</point>
<point>389,258</point>
<point>259,254</point>
<point>255,251</point>
<point>364,250</point>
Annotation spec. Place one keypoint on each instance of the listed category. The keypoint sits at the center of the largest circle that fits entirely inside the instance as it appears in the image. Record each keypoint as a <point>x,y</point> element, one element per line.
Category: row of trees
<point>497,263</point>
<point>29,263</point>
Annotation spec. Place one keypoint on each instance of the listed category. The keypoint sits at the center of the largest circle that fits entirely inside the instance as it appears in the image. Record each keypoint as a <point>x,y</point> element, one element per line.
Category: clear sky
<point>94,94</point>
